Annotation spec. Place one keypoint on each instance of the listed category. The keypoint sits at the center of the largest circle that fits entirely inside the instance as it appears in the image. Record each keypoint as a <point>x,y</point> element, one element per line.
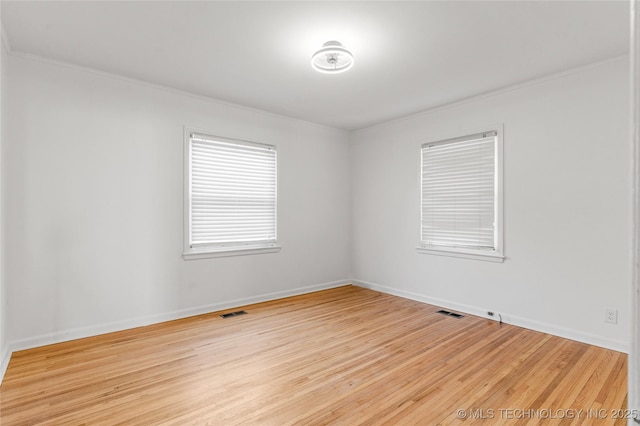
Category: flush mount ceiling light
<point>333,58</point>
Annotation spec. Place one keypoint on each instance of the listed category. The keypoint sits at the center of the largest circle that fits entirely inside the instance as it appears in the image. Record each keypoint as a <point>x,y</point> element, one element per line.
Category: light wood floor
<point>342,356</point>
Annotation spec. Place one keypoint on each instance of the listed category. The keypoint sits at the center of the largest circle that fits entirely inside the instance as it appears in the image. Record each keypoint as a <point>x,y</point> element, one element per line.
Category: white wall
<point>4,354</point>
<point>93,171</point>
<point>634,353</point>
<point>567,198</point>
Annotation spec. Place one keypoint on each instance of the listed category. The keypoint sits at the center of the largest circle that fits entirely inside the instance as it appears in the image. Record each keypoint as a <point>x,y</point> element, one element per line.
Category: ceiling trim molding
<point>448,105</point>
<point>497,92</point>
<point>169,89</point>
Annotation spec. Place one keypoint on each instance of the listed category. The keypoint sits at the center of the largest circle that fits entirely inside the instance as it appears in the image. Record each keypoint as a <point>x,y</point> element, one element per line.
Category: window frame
<point>496,255</point>
<point>203,252</point>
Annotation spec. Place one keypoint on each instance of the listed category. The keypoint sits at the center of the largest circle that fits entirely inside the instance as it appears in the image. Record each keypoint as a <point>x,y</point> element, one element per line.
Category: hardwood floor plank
<point>342,356</point>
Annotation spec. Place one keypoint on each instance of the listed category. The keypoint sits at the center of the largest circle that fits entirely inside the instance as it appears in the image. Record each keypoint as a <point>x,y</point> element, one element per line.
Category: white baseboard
<point>82,332</point>
<point>530,324</point>
<point>6,357</point>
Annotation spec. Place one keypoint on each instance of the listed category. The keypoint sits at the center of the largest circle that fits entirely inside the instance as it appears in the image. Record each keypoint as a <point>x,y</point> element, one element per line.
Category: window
<point>230,197</point>
<point>461,196</point>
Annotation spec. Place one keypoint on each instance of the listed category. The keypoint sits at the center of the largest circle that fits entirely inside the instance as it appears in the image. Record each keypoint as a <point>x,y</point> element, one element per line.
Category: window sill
<point>231,251</point>
<point>464,254</point>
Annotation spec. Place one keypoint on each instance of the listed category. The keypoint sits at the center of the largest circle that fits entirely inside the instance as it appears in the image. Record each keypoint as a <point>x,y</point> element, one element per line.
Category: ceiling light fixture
<point>333,58</point>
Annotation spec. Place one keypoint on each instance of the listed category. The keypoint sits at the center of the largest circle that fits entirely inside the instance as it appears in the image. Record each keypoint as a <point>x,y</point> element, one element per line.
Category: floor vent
<point>233,314</point>
<point>450,314</point>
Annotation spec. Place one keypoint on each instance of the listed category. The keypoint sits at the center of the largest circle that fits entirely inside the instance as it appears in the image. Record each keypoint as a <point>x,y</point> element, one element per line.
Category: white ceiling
<point>409,56</point>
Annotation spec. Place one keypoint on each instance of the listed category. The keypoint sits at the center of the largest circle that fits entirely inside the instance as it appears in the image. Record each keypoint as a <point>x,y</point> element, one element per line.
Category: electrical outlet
<point>611,315</point>
<point>490,313</point>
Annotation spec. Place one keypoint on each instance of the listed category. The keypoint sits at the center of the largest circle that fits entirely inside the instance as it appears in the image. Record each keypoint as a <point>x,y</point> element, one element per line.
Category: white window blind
<point>232,189</point>
<point>459,193</point>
